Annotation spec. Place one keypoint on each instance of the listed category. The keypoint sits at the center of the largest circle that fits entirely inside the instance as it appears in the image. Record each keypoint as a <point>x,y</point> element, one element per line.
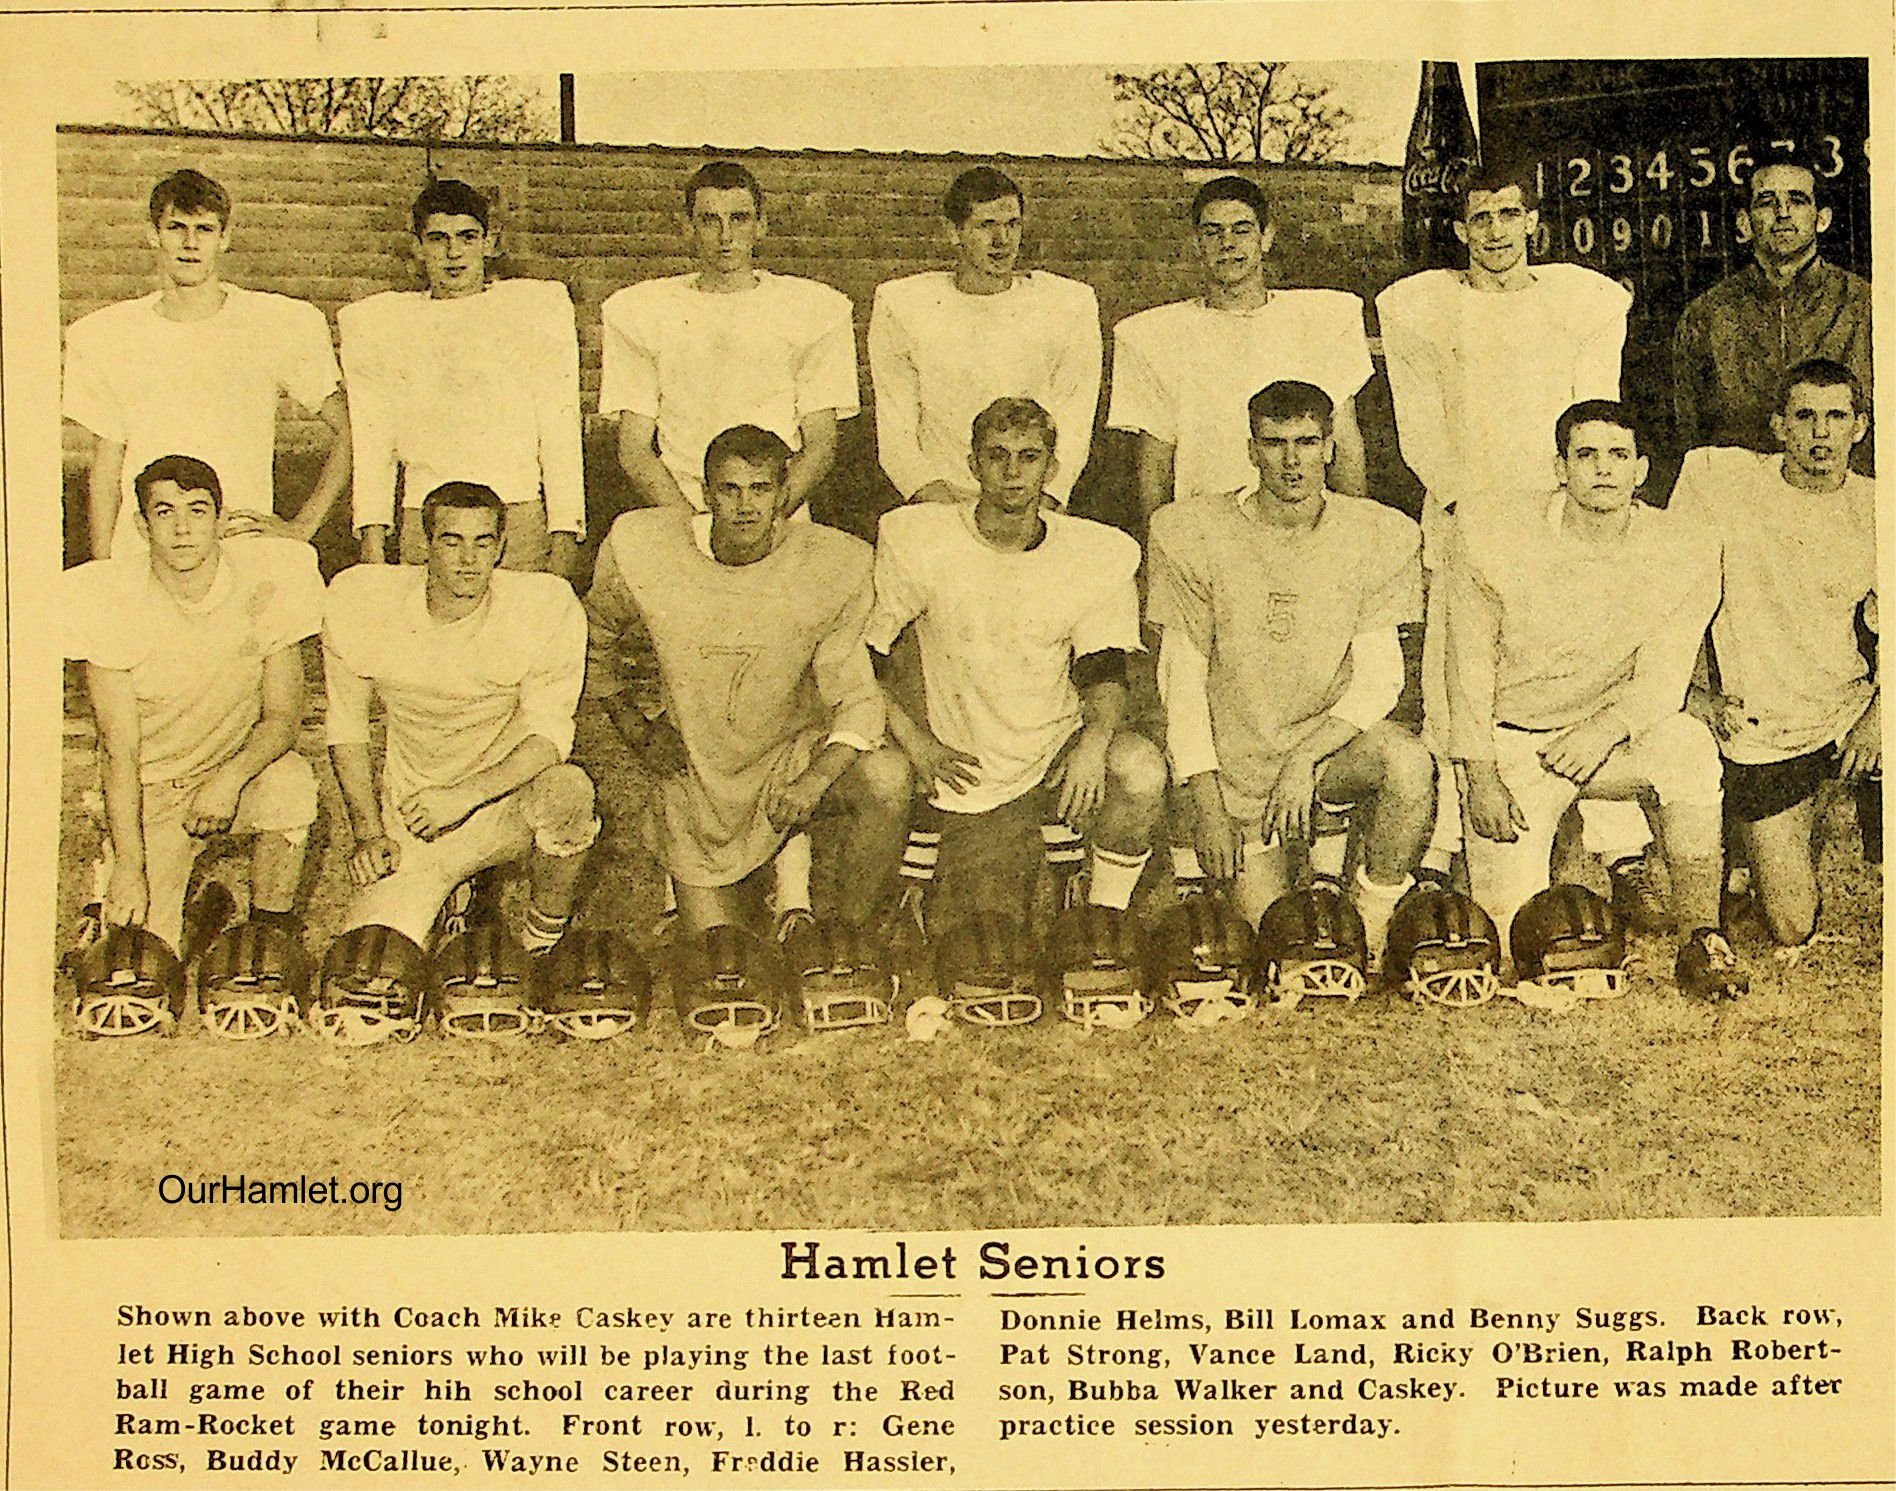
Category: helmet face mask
<point>1569,943</point>
<point>370,991</point>
<point>482,983</point>
<point>251,981</point>
<point>1107,998</point>
<point>985,969</point>
<point>1311,944</point>
<point>128,983</point>
<point>841,982</point>
<point>592,986</point>
<point>1445,948</point>
<point>1209,997</point>
<point>728,987</point>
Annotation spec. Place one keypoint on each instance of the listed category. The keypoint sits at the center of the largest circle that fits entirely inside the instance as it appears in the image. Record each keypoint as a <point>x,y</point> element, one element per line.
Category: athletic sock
<point>1115,877</point>
<point>792,871</point>
<point>1187,873</point>
<point>1065,850</point>
<point>1376,903</point>
<point>920,854</point>
<point>1327,853</point>
<point>284,921</point>
<point>539,932</point>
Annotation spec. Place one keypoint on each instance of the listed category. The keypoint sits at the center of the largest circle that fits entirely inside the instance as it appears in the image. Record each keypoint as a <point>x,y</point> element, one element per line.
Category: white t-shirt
<point>197,388</point>
<point>484,388</point>
<point>458,696</point>
<point>999,632</point>
<point>1796,565</point>
<point>700,362</point>
<point>1184,373</point>
<point>1479,377</point>
<point>196,666</point>
<point>939,356</point>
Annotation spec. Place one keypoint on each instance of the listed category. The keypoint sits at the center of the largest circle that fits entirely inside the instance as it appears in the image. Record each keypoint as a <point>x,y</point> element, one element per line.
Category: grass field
<point>1381,1111</point>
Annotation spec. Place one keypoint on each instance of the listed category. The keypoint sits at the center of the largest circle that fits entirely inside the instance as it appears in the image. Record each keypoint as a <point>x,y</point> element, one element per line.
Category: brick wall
<point>326,220</point>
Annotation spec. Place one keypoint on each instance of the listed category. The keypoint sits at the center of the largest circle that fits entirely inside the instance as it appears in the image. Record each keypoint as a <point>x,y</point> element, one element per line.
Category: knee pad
<point>1684,768</point>
<point>286,798</point>
<point>561,812</point>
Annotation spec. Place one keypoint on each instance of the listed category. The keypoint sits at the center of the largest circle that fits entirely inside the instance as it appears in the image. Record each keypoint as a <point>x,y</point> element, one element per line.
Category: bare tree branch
<point>1225,113</point>
<point>483,107</point>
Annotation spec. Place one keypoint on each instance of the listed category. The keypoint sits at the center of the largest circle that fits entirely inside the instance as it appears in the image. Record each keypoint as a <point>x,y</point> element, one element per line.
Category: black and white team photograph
<point>1299,647</point>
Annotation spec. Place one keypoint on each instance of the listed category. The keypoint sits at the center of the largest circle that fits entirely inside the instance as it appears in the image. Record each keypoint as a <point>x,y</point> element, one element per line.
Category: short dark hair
<point>723,176</point>
<point>751,443</point>
<point>1821,372</point>
<point>1288,398</point>
<point>973,187</point>
<point>186,473</point>
<point>1014,414</point>
<point>1782,159</point>
<point>1497,176</point>
<point>1600,411</point>
<point>190,191</point>
<point>463,496</point>
<point>449,199</point>
<point>1232,189</point>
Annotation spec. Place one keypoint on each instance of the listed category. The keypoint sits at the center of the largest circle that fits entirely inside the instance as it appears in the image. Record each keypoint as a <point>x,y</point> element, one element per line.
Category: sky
<point>1021,110</point>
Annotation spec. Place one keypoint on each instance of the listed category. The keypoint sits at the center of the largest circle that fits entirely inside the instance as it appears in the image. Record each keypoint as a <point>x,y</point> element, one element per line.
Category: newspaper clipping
<point>994,745</point>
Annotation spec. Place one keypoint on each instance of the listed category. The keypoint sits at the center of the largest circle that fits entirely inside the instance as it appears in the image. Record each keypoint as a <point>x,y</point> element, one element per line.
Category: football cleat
<point>371,990</point>
<point>1568,943</point>
<point>1096,958</point>
<point>1200,954</point>
<point>1311,943</point>
<point>842,980</point>
<point>129,982</point>
<point>728,984</point>
<point>1444,948</point>
<point>251,980</point>
<point>984,968</point>
<point>1707,968</point>
<point>592,986</point>
<point>482,986</point>
<point>1635,895</point>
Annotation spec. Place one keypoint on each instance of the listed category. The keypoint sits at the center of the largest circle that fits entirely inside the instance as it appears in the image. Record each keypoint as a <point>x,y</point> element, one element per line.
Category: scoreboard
<point>1640,166</point>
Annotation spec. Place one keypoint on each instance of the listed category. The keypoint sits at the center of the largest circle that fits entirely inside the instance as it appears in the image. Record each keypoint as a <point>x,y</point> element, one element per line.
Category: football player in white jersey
<point>478,671</point>
<point>687,356</point>
<point>766,710</point>
<point>1025,617</point>
<point>198,368</point>
<point>1182,373</point>
<point>193,664</point>
<point>1795,701</point>
<point>1481,362</point>
<point>471,379</point>
<point>1280,663</point>
<point>1573,625</point>
<point>945,344</point>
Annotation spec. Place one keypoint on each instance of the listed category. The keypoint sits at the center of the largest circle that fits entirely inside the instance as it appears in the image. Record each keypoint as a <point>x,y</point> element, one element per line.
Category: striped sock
<point>1065,850</point>
<point>920,854</point>
<point>539,932</point>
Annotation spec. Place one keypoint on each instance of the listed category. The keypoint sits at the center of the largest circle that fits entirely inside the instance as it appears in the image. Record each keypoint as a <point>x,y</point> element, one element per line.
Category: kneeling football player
<point>769,710</point>
<point>192,664</point>
<point>1280,663</point>
<point>1796,701</point>
<point>1572,629</point>
<point>478,670</point>
<point>1025,616</point>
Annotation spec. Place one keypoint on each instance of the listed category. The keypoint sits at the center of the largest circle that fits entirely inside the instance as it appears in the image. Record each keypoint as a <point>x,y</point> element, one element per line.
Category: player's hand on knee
<point>1578,753</point>
<point>941,768</point>
<point>1862,748</point>
<point>1288,810</point>
<point>1215,838</point>
<point>794,803</point>
<point>432,811</point>
<point>1724,714</point>
<point>127,897</point>
<point>1492,812</point>
<point>213,807</point>
<point>373,859</point>
<point>1078,779</point>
